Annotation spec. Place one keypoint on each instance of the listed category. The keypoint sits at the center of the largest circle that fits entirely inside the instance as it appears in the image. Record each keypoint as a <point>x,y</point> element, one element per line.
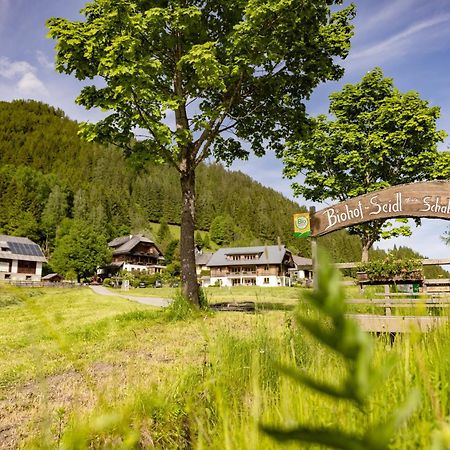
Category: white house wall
<point>273,281</point>
<point>14,276</point>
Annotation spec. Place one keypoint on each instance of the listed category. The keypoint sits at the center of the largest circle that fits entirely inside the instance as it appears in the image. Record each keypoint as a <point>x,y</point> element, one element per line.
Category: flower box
<point>404,277</point>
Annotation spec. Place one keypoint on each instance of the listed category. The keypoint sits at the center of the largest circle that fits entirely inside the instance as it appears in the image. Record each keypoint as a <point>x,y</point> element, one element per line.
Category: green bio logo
<point>302,223</point>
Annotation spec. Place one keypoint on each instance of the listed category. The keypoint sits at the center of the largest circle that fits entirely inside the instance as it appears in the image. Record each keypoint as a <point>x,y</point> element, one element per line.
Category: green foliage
<point>199,240</point>
<point>222,230</point>
<point>206,241</point>
<point>173,270</point>
<point>214,54</point>
<point>164,236</point>
<point>391,267</point>
<point>332,329</point>
<point>407,253</point>
<point>172,252</point>
<point>80,248</point>
<point>55,210</point>
<point>380,137</point>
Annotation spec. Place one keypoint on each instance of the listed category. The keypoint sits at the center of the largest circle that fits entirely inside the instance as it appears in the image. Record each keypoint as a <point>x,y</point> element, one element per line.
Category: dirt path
<point>152,301</point>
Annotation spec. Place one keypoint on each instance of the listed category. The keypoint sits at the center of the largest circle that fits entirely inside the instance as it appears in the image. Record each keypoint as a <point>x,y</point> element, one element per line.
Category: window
<point>266,280</point>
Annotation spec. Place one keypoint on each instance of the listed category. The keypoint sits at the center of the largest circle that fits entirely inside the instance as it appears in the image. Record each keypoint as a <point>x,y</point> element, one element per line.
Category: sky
<point>408,39</point>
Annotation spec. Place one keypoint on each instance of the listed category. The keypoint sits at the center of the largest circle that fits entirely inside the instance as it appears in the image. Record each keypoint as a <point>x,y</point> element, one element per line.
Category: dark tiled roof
<point>300,261</point>
<point>266,254</point>
<point>202,259</point>
<point>126,243</point>
<point>51,275</point>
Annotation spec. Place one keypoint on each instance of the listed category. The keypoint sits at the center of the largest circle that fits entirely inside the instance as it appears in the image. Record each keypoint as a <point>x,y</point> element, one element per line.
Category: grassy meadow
<point>78,370</point>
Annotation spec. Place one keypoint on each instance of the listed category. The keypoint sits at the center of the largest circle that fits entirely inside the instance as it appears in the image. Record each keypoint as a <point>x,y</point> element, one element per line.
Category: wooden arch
<point>428,199</point>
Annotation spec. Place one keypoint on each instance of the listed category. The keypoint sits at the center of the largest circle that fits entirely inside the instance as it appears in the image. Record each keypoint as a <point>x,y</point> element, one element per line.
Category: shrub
<point>390,268</point>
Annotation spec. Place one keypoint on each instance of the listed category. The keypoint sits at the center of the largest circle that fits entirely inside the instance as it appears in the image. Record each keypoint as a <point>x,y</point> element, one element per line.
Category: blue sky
<point>408,39</point>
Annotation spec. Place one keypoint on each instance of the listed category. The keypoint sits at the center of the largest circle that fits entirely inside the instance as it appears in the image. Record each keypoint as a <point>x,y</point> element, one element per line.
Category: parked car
<point>142,284</point>
<point>158,284</point>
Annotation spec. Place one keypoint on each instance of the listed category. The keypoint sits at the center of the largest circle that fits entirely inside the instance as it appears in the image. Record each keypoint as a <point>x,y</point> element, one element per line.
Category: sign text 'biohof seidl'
<point>425,199</point>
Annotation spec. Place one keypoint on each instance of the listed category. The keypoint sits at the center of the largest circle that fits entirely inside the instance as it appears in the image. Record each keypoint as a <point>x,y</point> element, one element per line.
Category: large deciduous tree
<point>79,248</point>
<point>187,79</point>
<point>379,137</point>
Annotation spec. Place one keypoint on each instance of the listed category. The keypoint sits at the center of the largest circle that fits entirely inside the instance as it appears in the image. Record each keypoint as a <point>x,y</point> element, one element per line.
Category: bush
<point>390,267</point>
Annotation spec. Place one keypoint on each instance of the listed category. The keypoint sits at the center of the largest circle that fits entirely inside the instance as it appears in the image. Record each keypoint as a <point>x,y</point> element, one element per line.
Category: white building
<point>251,266</point>
<point>20,259</point>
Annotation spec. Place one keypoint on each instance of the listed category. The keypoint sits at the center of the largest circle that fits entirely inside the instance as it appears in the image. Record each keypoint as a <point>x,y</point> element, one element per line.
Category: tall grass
<point>219,403</point>
<point>203,384</point>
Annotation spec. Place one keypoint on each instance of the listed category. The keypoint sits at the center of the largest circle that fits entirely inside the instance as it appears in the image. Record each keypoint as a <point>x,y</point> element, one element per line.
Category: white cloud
<point>413,38</point>
<point>19,79</point>
<point>45,62</point>
<point>392,11</point>
<point>31,86</point>
<point>10,69</point>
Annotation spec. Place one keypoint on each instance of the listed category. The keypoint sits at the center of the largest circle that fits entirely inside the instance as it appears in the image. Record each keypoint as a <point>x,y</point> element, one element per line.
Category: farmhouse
<point>251,266</point>
<point>203,272</point>
<point>20,259</point>
<point>302,270</point>
<point>135,253</point>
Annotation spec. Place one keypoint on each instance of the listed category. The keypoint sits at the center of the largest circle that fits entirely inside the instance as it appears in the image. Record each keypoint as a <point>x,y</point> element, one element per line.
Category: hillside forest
<point>52,182</point>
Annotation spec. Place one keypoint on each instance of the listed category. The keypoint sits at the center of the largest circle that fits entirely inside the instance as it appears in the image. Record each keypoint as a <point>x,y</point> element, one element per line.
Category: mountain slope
<point>47,174</point>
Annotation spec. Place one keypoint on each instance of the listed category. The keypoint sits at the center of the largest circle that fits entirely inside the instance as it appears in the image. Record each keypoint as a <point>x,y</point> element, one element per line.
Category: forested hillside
<point>47,174</point>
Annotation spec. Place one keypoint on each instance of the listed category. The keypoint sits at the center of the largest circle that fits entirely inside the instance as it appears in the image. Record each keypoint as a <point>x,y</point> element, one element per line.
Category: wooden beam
<point>397,324</point>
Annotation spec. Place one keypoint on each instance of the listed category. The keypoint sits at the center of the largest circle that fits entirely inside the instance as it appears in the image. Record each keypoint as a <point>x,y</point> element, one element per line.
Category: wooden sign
<point>429,199</point>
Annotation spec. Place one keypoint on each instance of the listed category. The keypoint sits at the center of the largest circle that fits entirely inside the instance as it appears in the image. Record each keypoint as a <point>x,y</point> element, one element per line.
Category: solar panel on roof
<point>25,249</point>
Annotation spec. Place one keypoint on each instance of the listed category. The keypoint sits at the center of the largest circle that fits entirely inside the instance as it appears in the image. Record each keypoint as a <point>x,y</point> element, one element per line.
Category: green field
<point>79,370</point>
<point>287,295</point>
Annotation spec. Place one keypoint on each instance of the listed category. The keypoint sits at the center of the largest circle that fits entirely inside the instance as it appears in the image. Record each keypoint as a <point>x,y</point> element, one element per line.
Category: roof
<point>51,275</point>
<point>20,248</point>
<point>300,261</point>
<point>125,244</point>
<point>201,259</point>
<point>266,254</point>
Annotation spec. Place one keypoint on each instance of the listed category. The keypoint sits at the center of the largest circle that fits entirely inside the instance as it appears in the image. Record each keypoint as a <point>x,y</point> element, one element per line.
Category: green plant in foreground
<point>332,329</point>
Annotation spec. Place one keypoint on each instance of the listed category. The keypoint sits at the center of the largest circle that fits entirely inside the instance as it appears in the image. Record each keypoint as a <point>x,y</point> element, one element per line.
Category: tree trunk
<point>189,284</point>
<point>366,245</point>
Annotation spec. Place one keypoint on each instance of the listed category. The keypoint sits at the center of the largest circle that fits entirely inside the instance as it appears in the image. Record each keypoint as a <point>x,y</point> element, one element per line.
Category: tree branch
<point>213,128</point>
<point>164,151</point>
